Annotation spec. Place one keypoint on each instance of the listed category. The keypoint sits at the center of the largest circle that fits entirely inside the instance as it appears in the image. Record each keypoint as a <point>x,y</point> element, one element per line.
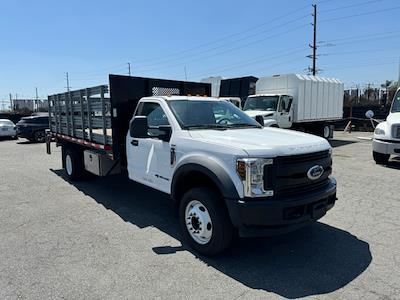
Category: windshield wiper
<point>243,125</point>
<point>207,126</point>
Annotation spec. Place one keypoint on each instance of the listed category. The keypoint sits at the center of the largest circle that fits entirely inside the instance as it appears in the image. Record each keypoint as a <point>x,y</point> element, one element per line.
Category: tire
<point>326,131</point>
<point>73,165</point>
<point>214,236</point>
<point>39,136</point>
<point>380,158</point>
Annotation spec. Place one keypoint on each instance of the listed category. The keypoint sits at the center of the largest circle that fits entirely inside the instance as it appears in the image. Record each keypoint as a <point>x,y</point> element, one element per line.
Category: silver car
<point>7,128</point>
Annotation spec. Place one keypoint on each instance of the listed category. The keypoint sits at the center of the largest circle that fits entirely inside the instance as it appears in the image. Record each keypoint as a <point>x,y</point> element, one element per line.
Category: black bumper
<point>267,216</point>
<point>24,133</point>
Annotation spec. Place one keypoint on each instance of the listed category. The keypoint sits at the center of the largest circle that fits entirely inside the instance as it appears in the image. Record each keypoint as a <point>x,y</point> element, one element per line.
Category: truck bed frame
<point>98,117</point>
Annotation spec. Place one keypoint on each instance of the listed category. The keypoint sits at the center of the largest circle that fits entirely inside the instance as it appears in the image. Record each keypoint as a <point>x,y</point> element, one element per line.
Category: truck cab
<point>386,140</point>
<point>275,109</point>
<point>225,171</point>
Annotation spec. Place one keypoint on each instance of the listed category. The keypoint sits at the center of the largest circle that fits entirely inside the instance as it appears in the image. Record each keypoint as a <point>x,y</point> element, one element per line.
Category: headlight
<point>251,172</point>
<point>379,131</point>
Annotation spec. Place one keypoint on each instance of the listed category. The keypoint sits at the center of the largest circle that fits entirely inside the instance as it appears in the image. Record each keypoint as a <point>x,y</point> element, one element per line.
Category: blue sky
<point>359,40</point>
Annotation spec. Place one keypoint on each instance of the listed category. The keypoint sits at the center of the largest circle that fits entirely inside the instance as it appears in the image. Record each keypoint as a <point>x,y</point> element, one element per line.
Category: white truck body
<point>314,98</point>
<point>386,140</point>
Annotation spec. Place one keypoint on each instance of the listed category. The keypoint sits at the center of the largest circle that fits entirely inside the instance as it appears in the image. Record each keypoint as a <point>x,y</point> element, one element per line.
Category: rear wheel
<point>380,158</point>
<point>326,131</point>
<point>39,136</point>
<point>205,222</point>
<point>73,164</point>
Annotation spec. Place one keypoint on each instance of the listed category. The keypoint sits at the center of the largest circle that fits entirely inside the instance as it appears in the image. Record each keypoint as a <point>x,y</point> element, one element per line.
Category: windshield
<point>203,114</point>
<point>268,103</point>
<point>396,103</point>
<point>6,122</point>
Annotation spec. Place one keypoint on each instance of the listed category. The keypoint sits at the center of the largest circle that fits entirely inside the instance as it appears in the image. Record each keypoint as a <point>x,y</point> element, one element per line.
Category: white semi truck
<point>386,140</point>
<point>224,172</point>
<point>302,102</point>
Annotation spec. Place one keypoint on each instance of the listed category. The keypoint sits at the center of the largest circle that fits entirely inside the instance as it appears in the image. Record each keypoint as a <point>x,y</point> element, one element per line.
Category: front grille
<point>288,175</point>
<point>280,160</point>
<point>396,131</point>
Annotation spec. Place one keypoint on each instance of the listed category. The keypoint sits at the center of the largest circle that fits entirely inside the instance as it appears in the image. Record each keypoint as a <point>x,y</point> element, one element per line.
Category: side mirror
<point>369,114</point>
<point>164,133</point>
<point>260,120</point>
<point>139,127</point>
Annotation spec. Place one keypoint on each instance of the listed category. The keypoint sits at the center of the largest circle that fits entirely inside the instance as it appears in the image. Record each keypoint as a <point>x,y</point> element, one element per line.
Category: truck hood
<point>265,142</point>
<point>393,118</point>
<point>254,113</point>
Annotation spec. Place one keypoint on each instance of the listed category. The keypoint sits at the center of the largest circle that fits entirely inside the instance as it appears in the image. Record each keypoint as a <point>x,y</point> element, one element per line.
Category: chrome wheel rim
<point>68,164</point>
<point>198,222</point>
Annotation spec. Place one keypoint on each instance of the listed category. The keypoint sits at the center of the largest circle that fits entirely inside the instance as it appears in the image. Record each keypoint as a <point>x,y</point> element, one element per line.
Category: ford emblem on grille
<point>315,172</point>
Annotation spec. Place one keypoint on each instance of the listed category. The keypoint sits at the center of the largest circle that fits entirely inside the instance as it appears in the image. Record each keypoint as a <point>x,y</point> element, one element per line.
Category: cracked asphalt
<point>110,238</point>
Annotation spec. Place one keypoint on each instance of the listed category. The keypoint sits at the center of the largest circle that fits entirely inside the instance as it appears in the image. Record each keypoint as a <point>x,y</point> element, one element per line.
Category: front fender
<point>270,122</point>
<point>209,168</point>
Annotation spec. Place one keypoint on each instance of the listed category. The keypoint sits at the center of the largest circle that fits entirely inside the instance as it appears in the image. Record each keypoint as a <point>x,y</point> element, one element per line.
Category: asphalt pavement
<point>111,238</point>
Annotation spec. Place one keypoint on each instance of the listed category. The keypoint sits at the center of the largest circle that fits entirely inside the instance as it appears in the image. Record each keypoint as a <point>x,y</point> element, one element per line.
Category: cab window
<point>285,104</point>
<point>155,116</point>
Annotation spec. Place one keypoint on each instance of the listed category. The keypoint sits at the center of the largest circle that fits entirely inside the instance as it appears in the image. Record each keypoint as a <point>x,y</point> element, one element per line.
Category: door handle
<point>135,143</point>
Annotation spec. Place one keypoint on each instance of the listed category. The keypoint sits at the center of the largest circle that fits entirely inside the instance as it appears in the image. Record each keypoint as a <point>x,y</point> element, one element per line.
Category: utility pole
<point>314,45</point>
<point>129,68</point>
<point>398,80</point>
<point>36,100</point>
<point>185,73</point>
<point>67,78</point>
<point>11,105</point>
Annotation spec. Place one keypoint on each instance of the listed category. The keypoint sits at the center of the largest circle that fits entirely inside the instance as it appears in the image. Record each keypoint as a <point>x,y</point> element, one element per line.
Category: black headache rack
<point>99,117</point>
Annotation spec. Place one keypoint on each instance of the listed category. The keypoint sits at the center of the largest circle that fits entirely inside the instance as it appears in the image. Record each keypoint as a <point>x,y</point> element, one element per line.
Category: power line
<point>361,14</point>
<point>230,49</point>
<point>216,41</point>
<point>226,44</point>
<point>253,61</point>
<point>350,6</point>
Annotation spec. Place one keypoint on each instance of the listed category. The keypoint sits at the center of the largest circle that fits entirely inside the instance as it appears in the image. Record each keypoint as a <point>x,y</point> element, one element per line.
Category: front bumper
<point>386,146</point>
<point>266,216</point>
<point>4,133</point>
<point>24,132</point>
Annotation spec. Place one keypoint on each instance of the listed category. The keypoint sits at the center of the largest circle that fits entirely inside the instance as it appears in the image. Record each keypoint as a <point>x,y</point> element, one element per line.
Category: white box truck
<point>302,102</point>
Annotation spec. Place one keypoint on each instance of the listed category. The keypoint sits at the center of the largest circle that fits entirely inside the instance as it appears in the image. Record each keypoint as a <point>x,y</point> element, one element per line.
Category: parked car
<point>33,128</point>
<point>7,128</point>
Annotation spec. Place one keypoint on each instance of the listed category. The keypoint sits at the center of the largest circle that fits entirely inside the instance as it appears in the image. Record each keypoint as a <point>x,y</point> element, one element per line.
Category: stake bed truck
<point>225,173</point>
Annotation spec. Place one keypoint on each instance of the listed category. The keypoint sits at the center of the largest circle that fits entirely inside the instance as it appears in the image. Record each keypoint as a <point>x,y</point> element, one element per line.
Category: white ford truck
<point>225,173</point>
<point>387,134</point>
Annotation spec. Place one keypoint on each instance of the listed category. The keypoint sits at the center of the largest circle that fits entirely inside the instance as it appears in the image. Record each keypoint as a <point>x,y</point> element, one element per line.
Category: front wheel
<point>380,158</point>
<point>39,136</point>
<point>205,221</point>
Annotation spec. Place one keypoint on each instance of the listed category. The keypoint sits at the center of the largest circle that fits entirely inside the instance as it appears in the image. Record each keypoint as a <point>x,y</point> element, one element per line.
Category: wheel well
<point>191,180</point>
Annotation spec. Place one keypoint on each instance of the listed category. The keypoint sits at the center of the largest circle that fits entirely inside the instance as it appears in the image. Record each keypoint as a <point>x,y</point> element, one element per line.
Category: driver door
<point>285,112</point>
<point>148,158</point>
